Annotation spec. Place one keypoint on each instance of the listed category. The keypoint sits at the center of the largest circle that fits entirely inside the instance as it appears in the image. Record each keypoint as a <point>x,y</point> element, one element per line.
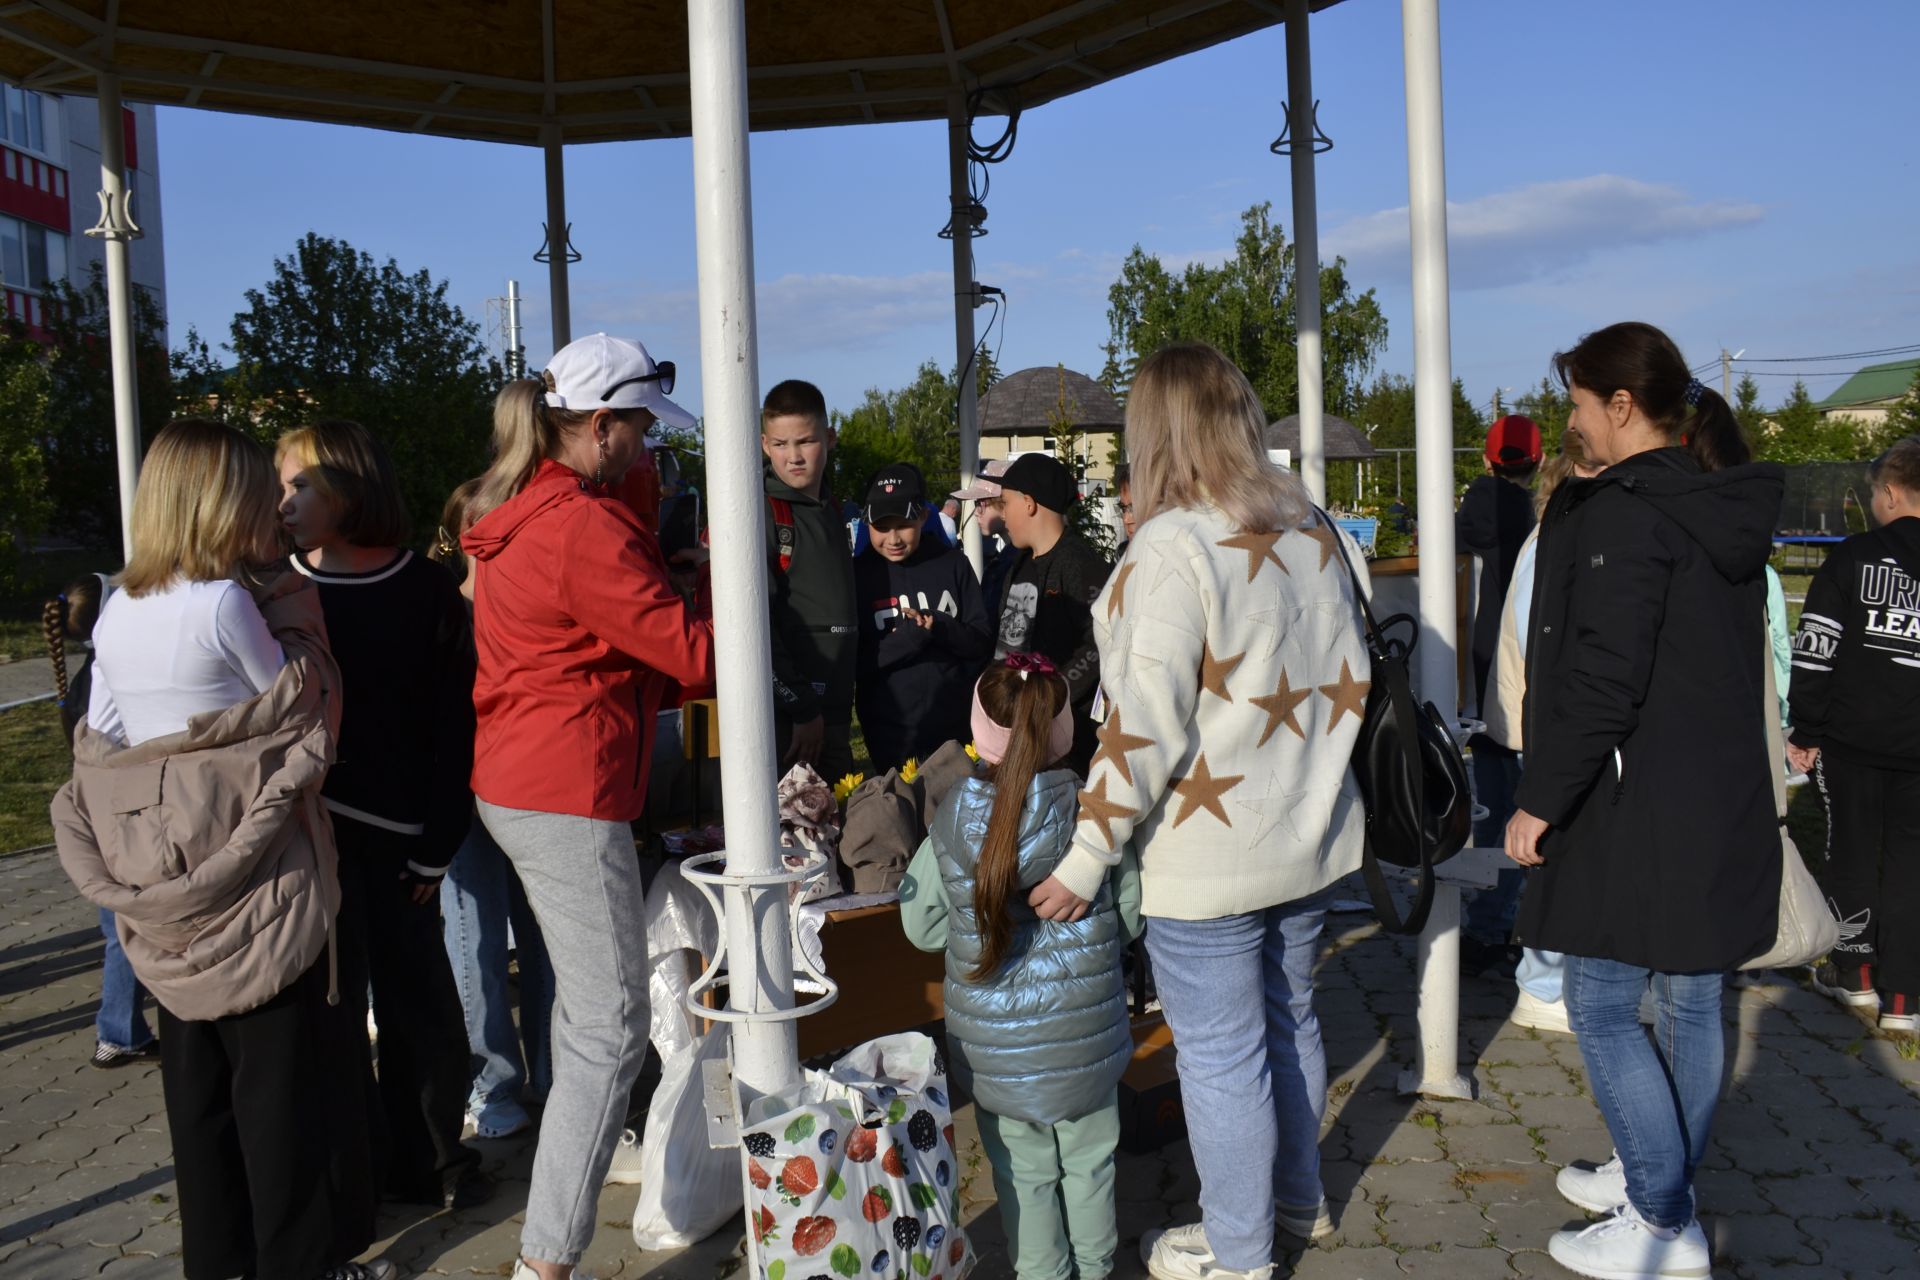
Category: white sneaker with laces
<point>521,1271</point>
<point>1542,1015</point>
<point>1628,1247</point>
<point>625,1169</point>
<point>1182,1253</point>
<point>1312,1222</point>
<point>1600,1190</point>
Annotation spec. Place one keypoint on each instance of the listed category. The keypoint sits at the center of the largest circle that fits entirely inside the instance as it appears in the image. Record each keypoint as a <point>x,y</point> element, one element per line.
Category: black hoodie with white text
<point>914,685</point>
<point>1856,656</point>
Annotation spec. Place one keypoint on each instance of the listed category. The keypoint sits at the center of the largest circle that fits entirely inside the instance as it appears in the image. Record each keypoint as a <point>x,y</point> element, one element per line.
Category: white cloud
<point>1537,231</point>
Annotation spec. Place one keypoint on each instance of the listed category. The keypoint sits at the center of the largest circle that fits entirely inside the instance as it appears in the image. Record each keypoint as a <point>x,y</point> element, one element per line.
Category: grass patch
<point>34,761</point>
<point>43,575</point>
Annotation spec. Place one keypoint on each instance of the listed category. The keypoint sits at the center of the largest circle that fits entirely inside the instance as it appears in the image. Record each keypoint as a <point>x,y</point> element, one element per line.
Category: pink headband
<point>990,738</point>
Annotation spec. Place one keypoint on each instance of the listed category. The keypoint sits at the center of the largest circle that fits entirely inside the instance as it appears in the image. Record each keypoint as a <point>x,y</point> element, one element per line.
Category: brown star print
<point>1259,547</point>
<point>1328,540</point>
<point>1214,671</point>
<point>1117,598</point>
<point>1115,742</point>
<point>1096,808</point>
<point>1201,790</point>
<point>1280,706</point>
<point>1348,695</point>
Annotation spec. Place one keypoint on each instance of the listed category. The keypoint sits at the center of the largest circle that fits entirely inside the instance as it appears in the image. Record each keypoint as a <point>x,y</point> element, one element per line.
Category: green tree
<point>1746,407</point>
<point>1904,418</point>
<point>1797,432</point>
<point>1069,442</point>
<point>77,434</point>
<point>1245,308</point>
<point>335,335</point>
<point>1549,405</point>
<point>1384,410</point>
<point>24,498</point>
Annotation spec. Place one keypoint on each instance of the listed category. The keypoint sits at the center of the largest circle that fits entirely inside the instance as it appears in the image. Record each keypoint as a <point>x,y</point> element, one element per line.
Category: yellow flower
<point>847,786</point>
<point>910,770</point>
<point>973,753</point>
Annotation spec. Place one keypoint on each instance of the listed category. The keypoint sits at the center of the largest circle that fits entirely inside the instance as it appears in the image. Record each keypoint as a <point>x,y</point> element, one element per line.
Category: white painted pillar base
<point>117,230</point>
<point>758,933</point>
<point>1436,1072</point>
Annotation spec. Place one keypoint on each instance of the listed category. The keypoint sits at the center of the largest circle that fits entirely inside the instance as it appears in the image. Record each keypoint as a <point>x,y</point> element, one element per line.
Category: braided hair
<point>70,616</point>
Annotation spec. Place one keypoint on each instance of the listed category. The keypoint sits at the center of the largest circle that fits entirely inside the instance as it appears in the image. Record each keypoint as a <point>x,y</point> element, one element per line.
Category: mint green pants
<point>1055,1185</point>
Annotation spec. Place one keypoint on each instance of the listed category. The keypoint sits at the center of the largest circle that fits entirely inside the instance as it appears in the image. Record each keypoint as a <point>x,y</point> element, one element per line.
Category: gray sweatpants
<point>583,882</point>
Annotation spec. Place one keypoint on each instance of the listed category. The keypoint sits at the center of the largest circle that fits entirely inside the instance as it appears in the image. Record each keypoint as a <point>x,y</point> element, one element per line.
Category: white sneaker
<point>625,1168</point>
<point>1312,1223</point>
<point>1599,1190</point>
<point>1628,1247</point>
<point>1542,1015</point>
<point>521,1271</point>
<point>1182,1253</point>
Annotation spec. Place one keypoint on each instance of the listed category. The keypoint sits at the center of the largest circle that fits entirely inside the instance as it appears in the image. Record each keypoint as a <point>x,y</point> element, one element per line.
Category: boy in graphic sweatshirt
<point>924,633</point>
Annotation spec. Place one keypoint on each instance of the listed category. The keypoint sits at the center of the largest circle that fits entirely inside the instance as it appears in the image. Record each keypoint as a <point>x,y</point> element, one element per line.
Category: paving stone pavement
<point>1813,1173</point>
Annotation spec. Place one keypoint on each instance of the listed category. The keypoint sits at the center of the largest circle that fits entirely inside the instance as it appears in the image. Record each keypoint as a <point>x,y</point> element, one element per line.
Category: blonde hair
<point>526,431</point>
<point>354,473</point>
<point>1555,471</point>
<point>206,508</point>
<point>1196,436</point>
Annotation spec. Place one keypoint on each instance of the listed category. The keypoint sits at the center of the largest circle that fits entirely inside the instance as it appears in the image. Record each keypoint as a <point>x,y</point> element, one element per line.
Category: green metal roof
<point>1874,383</point>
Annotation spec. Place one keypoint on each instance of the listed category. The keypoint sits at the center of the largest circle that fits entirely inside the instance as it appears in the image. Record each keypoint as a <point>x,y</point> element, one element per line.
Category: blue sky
<point>1740,173</point>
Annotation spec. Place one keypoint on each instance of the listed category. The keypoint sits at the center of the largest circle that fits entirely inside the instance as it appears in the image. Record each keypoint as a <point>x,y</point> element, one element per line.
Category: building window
<point>13,170</point>
<point>60,183</point>
<point>31,257</point>
<point>24,119</point>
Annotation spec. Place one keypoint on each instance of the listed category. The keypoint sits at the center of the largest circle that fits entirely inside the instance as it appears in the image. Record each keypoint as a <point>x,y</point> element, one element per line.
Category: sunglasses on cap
<point>662,374</point>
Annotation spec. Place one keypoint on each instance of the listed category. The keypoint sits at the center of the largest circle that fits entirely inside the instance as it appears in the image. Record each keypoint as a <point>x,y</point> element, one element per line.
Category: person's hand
<point>421,889</point>
<point>1052,900</point>
<point>1523,838</point>
<point>688,559</point>
<point>808,740</point>
<point>922,620</point>
<point>1802,758</point>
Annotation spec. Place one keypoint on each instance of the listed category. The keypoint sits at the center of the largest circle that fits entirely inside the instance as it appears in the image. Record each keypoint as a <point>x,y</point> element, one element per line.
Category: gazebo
<point>1344,442</point>
<point>1025,409</point>
<point>549,72</point>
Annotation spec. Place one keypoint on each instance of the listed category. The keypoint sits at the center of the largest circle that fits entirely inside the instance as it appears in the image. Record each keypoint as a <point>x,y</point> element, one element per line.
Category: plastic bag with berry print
<point>854,1178</point>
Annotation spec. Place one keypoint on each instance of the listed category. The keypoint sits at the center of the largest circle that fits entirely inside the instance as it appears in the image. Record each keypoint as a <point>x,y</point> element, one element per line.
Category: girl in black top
<point>398,792</point>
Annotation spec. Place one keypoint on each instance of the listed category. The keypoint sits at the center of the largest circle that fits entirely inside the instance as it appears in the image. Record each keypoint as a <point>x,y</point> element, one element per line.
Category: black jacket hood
<point>1731,514</point>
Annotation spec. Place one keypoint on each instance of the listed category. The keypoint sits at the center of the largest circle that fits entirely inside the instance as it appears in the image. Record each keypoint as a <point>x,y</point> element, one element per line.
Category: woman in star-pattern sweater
<point>1236,676</point>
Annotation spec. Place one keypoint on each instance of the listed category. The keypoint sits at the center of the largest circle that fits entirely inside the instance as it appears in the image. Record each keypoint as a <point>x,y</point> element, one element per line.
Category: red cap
<point>1512,440</point>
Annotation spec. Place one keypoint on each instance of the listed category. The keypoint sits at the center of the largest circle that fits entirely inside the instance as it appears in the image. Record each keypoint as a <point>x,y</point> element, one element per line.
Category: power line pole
<point>1726,375</point>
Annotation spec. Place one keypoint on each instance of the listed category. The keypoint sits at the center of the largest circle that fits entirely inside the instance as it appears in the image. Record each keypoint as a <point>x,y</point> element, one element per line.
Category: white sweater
<point>1236,675</point>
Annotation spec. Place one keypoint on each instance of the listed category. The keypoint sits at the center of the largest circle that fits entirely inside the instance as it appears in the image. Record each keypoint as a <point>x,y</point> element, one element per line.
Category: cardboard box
<point>1151,1114</point>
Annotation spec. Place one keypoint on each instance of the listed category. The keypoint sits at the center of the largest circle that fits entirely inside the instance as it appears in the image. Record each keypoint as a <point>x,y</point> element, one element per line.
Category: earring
<point>600,467</point>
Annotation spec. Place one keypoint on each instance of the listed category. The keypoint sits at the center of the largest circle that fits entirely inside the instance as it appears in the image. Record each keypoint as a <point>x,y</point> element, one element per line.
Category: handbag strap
<point>1393,672</point>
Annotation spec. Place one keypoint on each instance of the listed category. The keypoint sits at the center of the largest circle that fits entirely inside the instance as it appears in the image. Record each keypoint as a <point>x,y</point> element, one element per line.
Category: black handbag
<point>1412,777</point>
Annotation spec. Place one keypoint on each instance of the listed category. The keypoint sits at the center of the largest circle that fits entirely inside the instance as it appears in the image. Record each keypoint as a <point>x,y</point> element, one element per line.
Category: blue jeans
<point>478,898</point>
<point>1657,1093</point>
<point>1238,994</point>
<point>119,1022</point>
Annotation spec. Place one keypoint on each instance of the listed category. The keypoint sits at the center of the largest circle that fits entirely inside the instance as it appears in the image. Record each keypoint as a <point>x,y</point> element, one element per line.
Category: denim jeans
<point>1541,974</point>
<point>1238,994</point>
<point>120,1022</point>
<point>1657,1093</point>
<point>480,896</point>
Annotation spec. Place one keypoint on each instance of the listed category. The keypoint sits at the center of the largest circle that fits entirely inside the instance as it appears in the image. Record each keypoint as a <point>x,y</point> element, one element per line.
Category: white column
<point>960,196</point>
<point>759,950</point>
<point>558,241</point>
<point>117,231</point>
<point>1437,1071</point>
<point>1306,253</point>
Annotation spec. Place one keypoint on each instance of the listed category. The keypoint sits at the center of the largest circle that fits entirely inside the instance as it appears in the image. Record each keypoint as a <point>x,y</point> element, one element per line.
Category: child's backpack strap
<point>783,530</point>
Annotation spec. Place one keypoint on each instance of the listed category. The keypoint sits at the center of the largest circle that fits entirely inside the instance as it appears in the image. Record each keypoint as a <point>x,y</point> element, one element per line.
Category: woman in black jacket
<point>1647,804</point>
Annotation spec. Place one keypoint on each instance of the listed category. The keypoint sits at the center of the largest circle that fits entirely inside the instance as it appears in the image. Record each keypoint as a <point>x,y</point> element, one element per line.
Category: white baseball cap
<point>603,372</point>
<point>983,485</point>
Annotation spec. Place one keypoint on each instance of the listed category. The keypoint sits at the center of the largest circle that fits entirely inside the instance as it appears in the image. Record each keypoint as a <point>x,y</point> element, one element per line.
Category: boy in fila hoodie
<point>924,633</point>
<point>1855,704</point>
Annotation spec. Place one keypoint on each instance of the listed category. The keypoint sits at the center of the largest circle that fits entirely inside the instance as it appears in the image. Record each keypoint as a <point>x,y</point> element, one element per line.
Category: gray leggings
<point>583,882</point>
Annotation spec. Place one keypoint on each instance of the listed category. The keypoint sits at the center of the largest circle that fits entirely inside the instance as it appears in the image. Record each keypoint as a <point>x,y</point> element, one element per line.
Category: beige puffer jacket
<point>211,845</point>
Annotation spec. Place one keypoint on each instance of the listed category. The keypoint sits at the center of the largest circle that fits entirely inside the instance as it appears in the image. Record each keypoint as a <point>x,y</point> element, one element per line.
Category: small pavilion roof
<point>1345,442</point>
<point>1873,384</point>
<point>502,70</point>
<point>1032,401</point>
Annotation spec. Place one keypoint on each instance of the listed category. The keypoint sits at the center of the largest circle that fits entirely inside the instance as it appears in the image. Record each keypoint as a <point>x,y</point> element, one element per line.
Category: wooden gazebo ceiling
<point>600,70</point>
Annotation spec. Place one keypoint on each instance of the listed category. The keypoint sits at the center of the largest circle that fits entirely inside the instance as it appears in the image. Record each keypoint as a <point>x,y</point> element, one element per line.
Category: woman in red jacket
<point>579,636</point>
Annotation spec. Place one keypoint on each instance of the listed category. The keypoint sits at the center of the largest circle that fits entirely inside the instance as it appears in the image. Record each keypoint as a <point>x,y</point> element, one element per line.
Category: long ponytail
<point>526,431</point>
<point>1026,702</point>
<point>1637,358</point>
<point>53,619</point>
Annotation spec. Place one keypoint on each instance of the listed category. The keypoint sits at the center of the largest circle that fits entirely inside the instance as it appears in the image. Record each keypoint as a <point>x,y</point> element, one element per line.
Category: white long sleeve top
<point>172,654</point>
<point>1236,674</point>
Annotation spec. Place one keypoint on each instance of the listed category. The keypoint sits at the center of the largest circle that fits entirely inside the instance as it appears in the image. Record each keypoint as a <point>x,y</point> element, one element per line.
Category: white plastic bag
<point>680,930</point>
<point>688,1190</point>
